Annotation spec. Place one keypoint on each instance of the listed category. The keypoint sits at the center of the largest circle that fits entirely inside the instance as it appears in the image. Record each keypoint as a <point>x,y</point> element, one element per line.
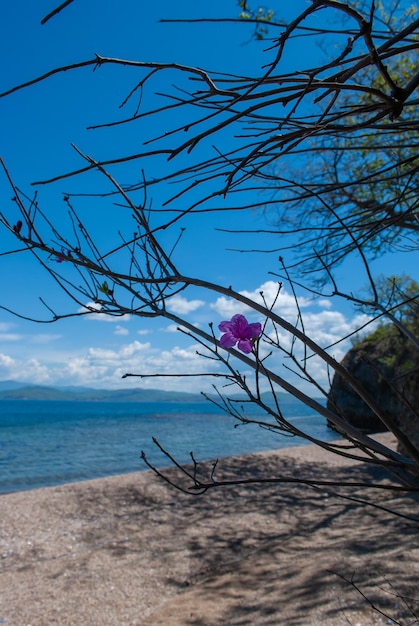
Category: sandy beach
<point>131,551</point>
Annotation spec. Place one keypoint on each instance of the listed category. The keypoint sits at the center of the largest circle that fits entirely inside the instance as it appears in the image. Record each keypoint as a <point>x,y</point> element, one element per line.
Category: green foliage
<point>361,182</point>
<point>392,350</point>
<point>104,288</point>
<point>401,292</point>
<point>400,296</point>
<point>261,16</point>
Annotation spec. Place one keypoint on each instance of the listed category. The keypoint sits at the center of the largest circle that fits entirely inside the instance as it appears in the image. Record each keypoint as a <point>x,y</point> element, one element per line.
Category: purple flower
<point>60,256</point>
<point>239,331</point>
<point>64,255</point>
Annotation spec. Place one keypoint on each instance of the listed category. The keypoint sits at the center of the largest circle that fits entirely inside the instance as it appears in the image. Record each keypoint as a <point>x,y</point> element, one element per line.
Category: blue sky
<point>37,127</point>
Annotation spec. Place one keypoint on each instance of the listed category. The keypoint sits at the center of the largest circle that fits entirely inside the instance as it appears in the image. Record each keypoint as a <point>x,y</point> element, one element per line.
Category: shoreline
<point>294,451</point>
<point>128,550</point>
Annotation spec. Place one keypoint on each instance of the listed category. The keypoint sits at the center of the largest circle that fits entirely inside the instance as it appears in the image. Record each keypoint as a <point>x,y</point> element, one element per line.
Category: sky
<point>38,126</point>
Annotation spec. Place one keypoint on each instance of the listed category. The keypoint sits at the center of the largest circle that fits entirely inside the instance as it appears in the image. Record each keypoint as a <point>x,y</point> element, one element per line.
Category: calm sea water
<point>50,443</point>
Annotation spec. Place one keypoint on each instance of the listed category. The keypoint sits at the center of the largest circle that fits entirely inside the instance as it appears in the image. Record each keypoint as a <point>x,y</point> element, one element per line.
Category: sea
<point>48,443</point>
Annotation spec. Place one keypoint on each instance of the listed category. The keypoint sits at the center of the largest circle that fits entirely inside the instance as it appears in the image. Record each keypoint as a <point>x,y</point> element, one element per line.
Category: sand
<point>131,551</point>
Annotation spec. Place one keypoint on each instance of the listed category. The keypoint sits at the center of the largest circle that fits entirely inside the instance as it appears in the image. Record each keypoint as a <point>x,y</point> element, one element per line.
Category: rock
<point>387,365</point>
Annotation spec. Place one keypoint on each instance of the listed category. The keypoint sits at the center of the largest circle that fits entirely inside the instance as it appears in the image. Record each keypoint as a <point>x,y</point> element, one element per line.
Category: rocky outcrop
<point>386,363</point>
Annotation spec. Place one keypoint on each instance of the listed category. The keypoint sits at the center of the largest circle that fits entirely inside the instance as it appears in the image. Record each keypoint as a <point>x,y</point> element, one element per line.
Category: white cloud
<point>104,364</point>
<point>285,305</point>
<point>101,317</point>
<point>324,303</point>
<point>328,327</point>
<point>44,338</point>
<point>270,290</point>
<point>104,367</point>
<point>6,326</point>
<point>24,370</point>
<point>35,371</point>
<point>89,306</point>
<point>172,328</point>
<point>41,338</point>
<point>323,324</point>
<point>181,306</point>
<point>10,337</point>
<point>119,330</point>
<point>325,328</point>
<point>133,348</point>
<point>6,362</point>
<point>102,354</point>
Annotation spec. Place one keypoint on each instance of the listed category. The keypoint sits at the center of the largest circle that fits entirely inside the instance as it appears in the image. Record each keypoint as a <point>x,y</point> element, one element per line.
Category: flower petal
<point>228,340</point>
<point>254,330</point>
<point>225,326</point>
<point>245,345</point>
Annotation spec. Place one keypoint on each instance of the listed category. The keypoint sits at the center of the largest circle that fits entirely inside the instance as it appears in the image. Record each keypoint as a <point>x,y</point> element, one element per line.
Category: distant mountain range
<point>13,390</point>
